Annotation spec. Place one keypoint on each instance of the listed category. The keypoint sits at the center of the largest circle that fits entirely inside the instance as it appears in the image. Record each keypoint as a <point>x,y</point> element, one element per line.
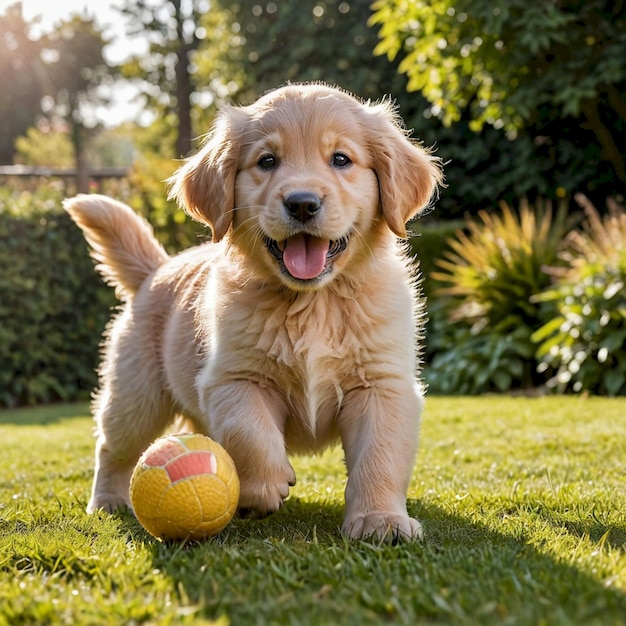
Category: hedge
<point>531,301</point>
<point>53,307</point>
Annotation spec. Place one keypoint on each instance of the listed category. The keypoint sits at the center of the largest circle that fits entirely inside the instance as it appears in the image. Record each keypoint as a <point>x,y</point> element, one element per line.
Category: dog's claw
<point>387,527</point>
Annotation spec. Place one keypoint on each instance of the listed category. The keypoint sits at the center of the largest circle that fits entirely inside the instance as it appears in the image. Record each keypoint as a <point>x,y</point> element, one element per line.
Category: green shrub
<point>53,307</point>
<point>148,196</point>
<point>430,241</point>
<point>584,341</point>
<point>466,362</point>
<point>479,338</point>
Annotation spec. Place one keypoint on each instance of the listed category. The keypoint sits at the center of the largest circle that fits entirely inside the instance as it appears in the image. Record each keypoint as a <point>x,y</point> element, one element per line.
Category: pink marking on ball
<point>192,464</point>
<point>163,451</point>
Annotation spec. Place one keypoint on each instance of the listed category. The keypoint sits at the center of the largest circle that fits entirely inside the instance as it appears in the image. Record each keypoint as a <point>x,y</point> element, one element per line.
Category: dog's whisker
<point>251,229</point>
<point>250,226</point>
<point>363,240</point>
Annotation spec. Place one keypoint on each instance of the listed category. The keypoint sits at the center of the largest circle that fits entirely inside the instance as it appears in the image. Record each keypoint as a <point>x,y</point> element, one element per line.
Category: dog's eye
<point>267,162</point>
<point>340,160</point>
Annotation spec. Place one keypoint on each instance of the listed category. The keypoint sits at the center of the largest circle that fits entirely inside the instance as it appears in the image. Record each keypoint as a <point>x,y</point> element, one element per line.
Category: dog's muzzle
<point>305,257</point>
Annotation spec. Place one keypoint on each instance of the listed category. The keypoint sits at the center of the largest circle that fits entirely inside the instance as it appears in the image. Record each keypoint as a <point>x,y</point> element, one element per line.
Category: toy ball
<point>184,487</point>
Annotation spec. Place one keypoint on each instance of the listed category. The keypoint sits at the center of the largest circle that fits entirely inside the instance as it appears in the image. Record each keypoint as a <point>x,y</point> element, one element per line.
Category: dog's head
<point>305,179</point>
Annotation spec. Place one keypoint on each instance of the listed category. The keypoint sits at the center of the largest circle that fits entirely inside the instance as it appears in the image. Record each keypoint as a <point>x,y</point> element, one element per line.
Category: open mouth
<point>305,257</point>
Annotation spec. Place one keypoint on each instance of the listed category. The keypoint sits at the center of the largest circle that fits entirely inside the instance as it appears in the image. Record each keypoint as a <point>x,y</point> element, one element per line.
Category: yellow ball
<point>184,487</point>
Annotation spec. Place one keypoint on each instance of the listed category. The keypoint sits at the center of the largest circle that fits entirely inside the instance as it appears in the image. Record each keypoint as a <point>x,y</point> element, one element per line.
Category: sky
<point>123,107</point>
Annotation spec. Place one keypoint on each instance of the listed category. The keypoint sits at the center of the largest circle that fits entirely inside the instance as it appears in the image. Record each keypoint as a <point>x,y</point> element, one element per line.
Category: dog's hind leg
<point>126,427</point>
<point>132,409</point>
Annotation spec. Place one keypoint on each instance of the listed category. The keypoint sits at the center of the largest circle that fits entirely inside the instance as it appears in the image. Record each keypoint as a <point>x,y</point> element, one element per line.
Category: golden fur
<point>295,326</point>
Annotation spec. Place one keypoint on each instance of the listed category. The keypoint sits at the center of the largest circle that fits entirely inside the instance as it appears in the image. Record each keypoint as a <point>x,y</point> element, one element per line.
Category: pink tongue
<point>305,256</point>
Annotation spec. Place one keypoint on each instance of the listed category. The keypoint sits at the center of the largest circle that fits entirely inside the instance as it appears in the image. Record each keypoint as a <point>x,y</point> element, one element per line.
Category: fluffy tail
<point>122,243</point>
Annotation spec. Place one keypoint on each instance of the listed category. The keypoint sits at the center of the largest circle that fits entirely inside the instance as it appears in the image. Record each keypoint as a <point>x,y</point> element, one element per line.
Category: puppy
<point>295,326</point>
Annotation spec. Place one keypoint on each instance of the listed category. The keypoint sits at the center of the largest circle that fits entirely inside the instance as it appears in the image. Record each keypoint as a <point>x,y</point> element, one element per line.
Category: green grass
<point>523,503</point>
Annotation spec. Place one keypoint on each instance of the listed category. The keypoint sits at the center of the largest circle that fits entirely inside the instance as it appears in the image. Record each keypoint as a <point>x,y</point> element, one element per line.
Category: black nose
<point>302,205</point>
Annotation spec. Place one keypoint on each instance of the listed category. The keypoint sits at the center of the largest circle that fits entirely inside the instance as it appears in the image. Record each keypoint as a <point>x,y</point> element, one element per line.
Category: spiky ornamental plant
<point>490,276</point>
<point>585,341</point>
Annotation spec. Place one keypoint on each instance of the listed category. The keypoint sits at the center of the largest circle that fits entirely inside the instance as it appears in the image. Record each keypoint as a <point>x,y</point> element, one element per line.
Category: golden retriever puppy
<point>295,326</point>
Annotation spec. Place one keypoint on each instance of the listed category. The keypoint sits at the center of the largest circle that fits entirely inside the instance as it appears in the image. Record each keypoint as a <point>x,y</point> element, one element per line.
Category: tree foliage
<point>166,70</point>
<point>310,40</point>
<point>197,59</point>
<point>504,61</point>
<point>22,73</point>
<point>254,46</point>
<point>76,69</point>
<point>57,75</point>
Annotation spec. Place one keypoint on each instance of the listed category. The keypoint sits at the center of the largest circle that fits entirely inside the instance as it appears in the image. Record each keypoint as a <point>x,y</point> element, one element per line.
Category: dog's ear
<point>204,186</point>
<point>408,174</point>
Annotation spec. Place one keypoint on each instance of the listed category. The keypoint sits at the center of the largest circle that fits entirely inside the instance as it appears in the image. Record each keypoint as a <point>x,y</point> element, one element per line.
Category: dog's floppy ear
<point>408,174</point>
<point>204,185</point>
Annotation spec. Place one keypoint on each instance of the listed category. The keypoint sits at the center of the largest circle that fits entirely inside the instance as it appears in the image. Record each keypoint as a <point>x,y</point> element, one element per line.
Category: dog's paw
<point>108,502</point>
<point>261,495</point>
<point>382,526</point>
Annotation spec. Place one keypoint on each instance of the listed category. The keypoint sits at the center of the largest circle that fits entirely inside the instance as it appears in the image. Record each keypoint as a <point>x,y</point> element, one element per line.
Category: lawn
<point>523,502</point>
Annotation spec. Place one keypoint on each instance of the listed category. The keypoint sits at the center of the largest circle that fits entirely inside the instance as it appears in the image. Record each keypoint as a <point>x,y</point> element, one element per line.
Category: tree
<point>171,27</point>
<point>507,64</point>
<point>23,76</point>
<point>271,43</point>
<point>77,71</point>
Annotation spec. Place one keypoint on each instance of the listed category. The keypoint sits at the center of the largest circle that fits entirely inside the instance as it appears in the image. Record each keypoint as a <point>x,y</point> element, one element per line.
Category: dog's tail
<point>122,243</point>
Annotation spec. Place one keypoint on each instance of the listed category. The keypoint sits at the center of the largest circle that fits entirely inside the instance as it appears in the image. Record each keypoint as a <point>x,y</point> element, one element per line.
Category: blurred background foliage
<point>523,100</point>
<point>52,311</point>
<point>584,332</point>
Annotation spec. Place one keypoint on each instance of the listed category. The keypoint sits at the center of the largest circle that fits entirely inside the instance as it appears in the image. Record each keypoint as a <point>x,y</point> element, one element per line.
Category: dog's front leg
<point>379,428</point>
<point>248,421</point>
